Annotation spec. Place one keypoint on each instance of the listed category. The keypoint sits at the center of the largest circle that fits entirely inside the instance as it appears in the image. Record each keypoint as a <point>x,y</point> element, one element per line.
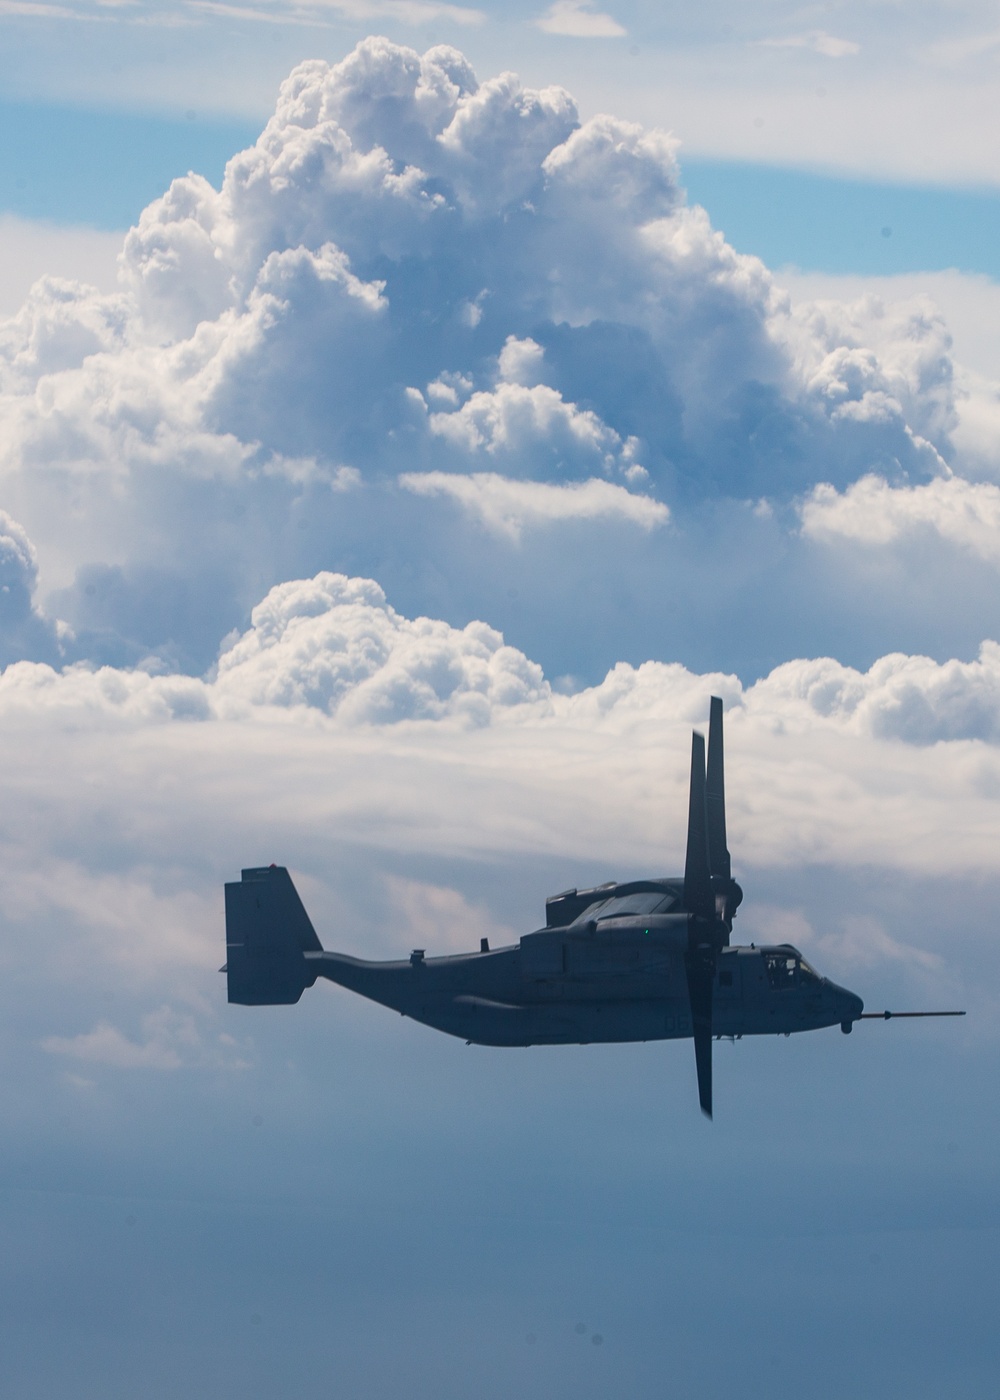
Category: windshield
<point>643,902</point>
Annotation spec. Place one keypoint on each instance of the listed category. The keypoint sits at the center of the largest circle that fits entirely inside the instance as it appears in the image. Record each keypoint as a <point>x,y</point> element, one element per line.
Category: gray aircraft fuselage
<point>615,979</point>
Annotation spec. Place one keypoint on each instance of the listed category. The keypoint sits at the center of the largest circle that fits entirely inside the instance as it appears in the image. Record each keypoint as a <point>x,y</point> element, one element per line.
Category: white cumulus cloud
<point>509,505</point>
<point>335,646</point>
<point>872,512</point>
<point>334,643</point>
<point>413,271</point>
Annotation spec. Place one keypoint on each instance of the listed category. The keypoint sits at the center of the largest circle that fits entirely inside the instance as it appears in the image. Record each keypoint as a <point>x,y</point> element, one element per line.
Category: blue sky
<point>385,497</point>
<point>100,167</point>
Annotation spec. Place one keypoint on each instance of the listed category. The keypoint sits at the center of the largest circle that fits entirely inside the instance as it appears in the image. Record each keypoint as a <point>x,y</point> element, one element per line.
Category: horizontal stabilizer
<point>267,932</point>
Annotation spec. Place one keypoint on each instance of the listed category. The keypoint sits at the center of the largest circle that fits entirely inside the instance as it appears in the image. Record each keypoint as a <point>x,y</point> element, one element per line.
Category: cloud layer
<point>329,656</point>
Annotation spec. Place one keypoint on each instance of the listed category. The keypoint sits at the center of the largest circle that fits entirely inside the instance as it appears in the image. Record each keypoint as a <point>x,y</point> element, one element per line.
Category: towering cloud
<point>442,332</point>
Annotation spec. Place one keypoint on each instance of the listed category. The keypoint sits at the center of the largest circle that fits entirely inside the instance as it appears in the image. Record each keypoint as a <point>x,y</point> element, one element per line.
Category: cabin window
<point>725,979</point>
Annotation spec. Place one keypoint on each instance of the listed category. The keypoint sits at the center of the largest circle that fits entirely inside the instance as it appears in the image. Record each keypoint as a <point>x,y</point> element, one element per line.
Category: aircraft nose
<point>854,1005</point>
<point>849,1005</point>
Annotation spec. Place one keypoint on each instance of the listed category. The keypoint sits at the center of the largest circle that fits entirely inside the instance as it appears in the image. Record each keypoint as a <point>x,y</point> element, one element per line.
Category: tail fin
<point>267,932</point>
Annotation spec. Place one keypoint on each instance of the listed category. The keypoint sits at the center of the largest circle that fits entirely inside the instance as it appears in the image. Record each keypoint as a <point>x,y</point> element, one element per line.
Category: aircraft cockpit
<point>786,967</point>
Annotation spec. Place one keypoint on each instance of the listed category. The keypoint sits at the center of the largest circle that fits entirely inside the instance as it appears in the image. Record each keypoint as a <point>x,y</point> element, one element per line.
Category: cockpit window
<point>643,902</point>
<point>782,970</point>
<point>788,970</point>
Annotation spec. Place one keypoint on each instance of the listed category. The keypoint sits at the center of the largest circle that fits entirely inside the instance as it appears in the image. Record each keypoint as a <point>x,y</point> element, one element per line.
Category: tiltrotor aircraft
<point>643,960</point>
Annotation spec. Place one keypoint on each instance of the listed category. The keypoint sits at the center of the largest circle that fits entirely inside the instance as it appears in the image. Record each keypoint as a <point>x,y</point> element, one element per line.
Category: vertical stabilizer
<point>267,932</point>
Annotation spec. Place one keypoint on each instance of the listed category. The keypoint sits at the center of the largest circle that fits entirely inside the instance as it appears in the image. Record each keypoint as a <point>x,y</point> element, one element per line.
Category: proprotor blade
<point>699,902</point>
<point>699,898</point>
<point>715,797</point>
<point>700,966</point>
